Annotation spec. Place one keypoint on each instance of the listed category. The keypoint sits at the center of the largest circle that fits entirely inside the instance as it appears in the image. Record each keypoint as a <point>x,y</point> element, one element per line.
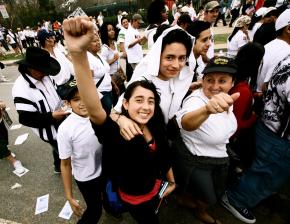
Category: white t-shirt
<point>275,51</point>
<point>76,139</point>
<point>66,67</point>
<point>100,68</point>
<point>121,35</point>
<point>211,137</point>
<point>21,35</point>
<point>200,67</point>
<point>149,35</point>
<point>210,51</point>
<point>275,114</point>
<point>252,32</point>
<point>237,41</point>
<point>100,19</point>
<point>10,38</point>
<point>135,53</point>
<point>108,54</point>
<point>192,13</point>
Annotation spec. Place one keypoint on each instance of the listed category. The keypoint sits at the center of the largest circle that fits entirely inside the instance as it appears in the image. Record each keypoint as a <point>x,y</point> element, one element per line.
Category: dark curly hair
<point>104,32</point>
<point>154,12</point>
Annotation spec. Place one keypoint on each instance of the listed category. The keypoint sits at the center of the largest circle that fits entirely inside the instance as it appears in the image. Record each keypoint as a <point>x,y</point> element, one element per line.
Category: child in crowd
<point>80,153</point>
<point>4,151</point>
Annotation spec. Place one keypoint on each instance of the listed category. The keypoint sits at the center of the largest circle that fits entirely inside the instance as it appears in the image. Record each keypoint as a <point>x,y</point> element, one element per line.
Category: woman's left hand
<point>171,187</point>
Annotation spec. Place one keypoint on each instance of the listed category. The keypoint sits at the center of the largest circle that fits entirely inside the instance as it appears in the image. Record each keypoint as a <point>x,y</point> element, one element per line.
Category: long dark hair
<point>236,29</point>
<point>157,123</point>
<point>248,60</point>
<point>154,12</point>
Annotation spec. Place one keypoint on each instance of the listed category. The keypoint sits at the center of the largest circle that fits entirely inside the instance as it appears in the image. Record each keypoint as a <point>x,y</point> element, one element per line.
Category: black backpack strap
<point>100,81</point>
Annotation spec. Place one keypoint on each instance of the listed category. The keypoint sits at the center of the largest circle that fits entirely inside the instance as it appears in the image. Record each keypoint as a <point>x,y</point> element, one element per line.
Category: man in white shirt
<point>275,51</point>
<point>100,19</point>
<point>36,99</point>
<point>133,41</point>
<point>270,168</point>
<point>211,11</point>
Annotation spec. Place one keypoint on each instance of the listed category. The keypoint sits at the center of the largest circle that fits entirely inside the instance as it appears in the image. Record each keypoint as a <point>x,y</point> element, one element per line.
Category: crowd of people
<point>214,128</point>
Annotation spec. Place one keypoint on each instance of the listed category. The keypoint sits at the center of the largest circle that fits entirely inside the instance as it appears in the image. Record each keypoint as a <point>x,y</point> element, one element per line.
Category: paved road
<point>18,205</point>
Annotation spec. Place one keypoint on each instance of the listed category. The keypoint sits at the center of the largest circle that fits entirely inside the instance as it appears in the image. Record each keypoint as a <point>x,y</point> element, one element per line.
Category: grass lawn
<point>10,57</point>
<point>220,38</point>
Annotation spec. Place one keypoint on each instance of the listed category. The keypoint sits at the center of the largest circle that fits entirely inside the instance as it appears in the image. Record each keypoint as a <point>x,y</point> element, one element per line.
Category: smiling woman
<point>207,122</point>
<point>165,65</point>
<point>135,166</point>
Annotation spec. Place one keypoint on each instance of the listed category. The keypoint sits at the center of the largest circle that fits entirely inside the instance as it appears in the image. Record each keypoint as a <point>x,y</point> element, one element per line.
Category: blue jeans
<point>269,171</point>
<point>107,101</point>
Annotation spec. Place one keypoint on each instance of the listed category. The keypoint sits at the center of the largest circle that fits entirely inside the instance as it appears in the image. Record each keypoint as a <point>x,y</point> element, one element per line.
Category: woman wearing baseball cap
<point>206,122</point>
<point>239,37</point>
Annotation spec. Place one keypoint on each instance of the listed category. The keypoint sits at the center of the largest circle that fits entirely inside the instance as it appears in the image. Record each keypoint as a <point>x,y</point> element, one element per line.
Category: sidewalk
<point>216,30</point>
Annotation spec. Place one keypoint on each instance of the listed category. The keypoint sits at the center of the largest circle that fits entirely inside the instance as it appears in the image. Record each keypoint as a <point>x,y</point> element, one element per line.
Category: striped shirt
<point>35,101</point>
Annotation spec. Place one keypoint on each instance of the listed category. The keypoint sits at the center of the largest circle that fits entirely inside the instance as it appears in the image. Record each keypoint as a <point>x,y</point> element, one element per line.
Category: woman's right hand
<point>221,102</point>
<point>128,128</point>
<point>75,206</point>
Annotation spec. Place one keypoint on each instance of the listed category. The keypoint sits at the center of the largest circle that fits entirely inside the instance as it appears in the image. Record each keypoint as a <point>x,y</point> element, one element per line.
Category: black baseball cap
<point>68,90</point>
<point>221,64</point>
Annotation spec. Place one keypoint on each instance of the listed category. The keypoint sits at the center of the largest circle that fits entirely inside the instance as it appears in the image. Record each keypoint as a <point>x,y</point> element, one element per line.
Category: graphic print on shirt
<point>275,100</point>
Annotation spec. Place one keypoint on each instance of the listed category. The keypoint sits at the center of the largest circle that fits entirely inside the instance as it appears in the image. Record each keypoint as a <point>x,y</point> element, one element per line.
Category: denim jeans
<point>107,101</point>
<point>269,171</point>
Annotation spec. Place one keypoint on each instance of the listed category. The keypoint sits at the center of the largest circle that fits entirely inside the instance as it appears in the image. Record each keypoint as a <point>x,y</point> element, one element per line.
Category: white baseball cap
<point>261,12</point>
<point>279,3</point>
<point>283,20</point>
<point>269,9</point>
<point>124,13</point>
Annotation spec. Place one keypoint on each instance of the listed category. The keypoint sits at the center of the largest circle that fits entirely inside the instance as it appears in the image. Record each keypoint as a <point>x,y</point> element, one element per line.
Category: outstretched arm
<point>78,34</point>
<point>217,104</point>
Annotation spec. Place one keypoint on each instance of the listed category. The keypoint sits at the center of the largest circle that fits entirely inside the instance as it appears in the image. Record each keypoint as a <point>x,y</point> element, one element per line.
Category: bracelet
<point>118,118</point>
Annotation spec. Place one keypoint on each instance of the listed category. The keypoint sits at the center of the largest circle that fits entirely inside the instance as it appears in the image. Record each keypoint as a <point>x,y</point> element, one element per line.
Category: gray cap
<point>211,5</point>
<point>137,17</point>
